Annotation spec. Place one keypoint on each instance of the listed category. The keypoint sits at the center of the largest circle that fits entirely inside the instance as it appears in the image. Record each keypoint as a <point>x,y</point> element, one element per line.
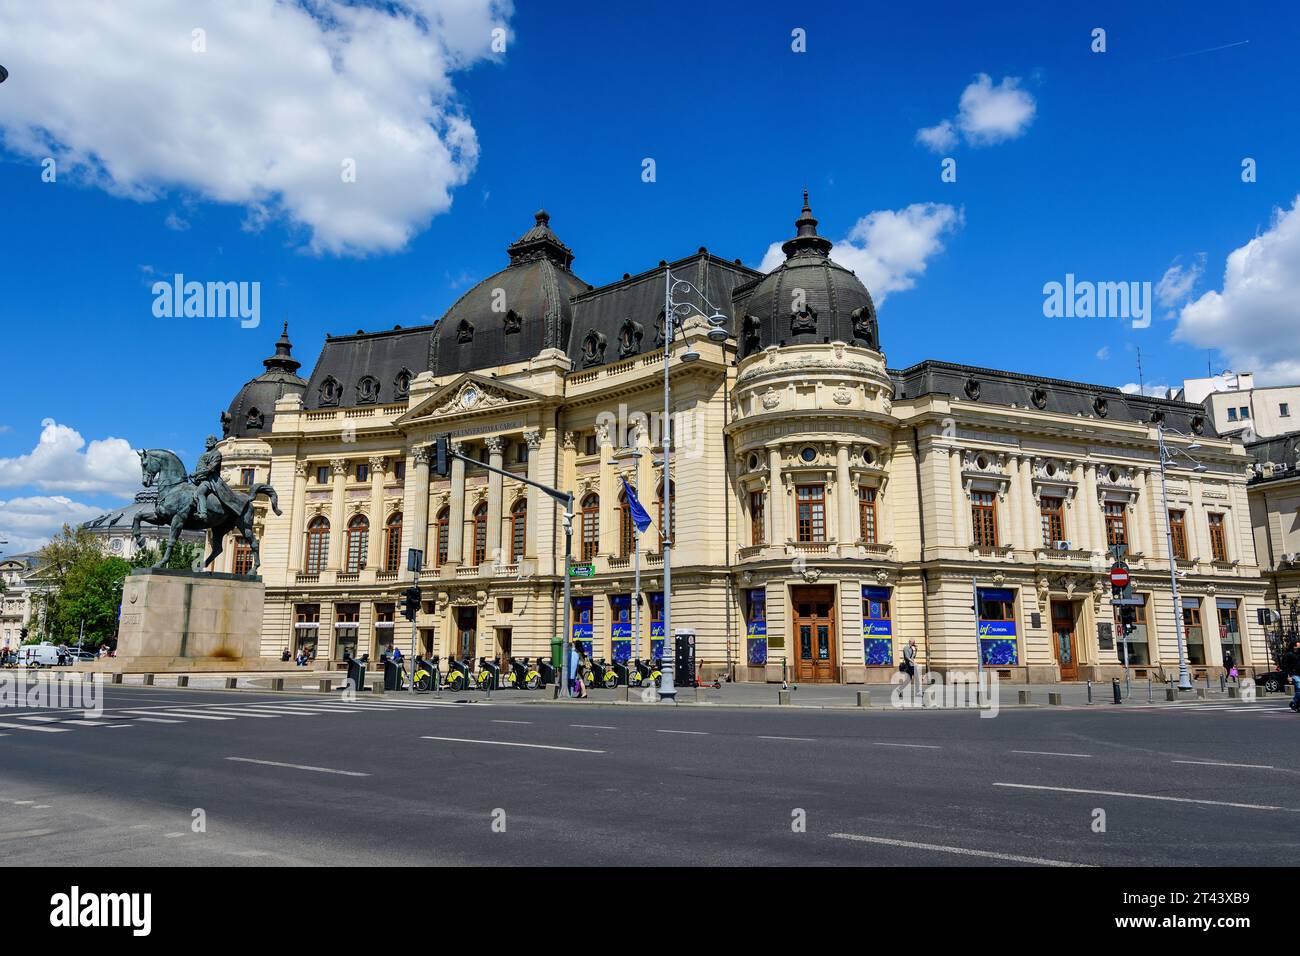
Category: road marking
<point>695,733</point>
<point>960,851</point>
<point>158,720</point>
<point>41,719</point>
<point>299,766</point>
<point>512,721</point>
<point>1217,763</point>
<point>44,730</point>
<point>244,713</point>
<point>1048,753</point>
<point>764,737</point>
<point>1143,796</point>
<point>593,727</point>
<point>885,743</point>
<point>23,834</point>
<point>190,713</point>
<point>82,722</point>
<point>508,743</point>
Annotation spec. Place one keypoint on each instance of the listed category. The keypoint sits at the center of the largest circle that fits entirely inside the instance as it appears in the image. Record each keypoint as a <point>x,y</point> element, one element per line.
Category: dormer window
<point>255,420</point>
<point>402,384</point>
<point>367,390</point>
<point>331,392</point>
<point>513,322</point>
<point>465,332</point>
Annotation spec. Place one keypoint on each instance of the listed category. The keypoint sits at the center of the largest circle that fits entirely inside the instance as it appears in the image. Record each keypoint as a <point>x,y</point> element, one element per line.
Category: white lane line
<point>694,733</point>
<point>512,721</point>
<point>1145,796</point>
<point>79,722</point>
<point>508,743</point>
<point>885,743</point>
<point>158,720</point>
<point>960,851</point>
<point>764,737</point>
<point>44,720</point>
<point>298,712</point>
<point>243,713</point>
<point>1217,763</point>
<point>593,727</point>
<point>1048,753</point>
<point>35,727</point>
<point>299,766</point>
<point>194,714</point>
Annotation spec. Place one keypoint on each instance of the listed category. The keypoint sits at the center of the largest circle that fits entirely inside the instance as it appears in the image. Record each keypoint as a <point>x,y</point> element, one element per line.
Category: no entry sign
<point>1119,577</point>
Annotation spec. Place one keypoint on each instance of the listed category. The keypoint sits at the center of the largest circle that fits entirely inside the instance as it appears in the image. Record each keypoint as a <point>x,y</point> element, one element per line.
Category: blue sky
<point>1128,165</point>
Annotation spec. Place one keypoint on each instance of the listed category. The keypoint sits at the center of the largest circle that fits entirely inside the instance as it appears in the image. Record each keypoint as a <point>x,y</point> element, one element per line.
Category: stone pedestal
<point>191,620</point>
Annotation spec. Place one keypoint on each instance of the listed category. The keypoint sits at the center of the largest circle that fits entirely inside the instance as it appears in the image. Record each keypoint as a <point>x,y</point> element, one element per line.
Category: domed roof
<point>808,298</point>
<point>515,314</point>
<point>253,409</point>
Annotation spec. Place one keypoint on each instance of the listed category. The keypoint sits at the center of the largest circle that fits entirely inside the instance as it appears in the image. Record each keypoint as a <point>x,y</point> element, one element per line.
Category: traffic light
<point>410,602</point>
<point>22,635</point>
<point>1127,619</point>
<point>441,458</point>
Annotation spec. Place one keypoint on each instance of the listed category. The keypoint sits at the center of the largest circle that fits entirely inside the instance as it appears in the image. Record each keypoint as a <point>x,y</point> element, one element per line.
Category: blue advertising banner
<point>756,651</point>
<point>998,651</point>
<point>620,628</point>
<point>878,651</point>
<point>582,623</point>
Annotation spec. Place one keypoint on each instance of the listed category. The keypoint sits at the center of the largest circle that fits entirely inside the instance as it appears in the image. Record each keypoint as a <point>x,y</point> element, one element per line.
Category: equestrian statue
<point>201,501</point>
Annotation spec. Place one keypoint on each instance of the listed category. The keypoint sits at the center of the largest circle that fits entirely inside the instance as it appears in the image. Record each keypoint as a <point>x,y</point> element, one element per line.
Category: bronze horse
<point>176,507</point>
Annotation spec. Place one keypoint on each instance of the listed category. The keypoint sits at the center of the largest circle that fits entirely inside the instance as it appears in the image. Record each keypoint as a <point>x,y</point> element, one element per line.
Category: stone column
<point>643,487</point>
<point>1015,505</point>
<point>1095,540</point>
<point>298,515</point>
<point>534,440</point>
<point>456,511</point>
<point>496,449</point>
<point>338,512</point>
<point>776,498</point>
<point>848,533</point>
<point>375,553</point>
<point>961,518</point>
<point>419,517</point>
<point>608,486</point>
<point>1142,515</point>
<point>1032,522</point>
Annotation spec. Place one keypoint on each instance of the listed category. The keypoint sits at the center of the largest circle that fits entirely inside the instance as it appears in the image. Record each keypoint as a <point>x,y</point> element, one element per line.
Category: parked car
<point>39,655</point>
<point>1272,681</point>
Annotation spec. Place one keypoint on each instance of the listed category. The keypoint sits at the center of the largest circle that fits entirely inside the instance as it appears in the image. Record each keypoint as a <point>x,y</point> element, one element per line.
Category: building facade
<point>1238,407</point>
<point>825,508</point>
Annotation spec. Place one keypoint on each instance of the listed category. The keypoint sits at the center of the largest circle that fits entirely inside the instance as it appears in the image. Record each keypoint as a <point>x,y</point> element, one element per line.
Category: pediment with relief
<point>469,394</point>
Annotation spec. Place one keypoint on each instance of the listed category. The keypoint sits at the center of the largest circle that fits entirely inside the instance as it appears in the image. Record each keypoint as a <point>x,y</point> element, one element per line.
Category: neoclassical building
<point>826,508</point>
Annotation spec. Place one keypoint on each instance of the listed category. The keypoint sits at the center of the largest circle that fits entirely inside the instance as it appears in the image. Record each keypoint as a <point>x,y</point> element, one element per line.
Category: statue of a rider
<point>207,476</point>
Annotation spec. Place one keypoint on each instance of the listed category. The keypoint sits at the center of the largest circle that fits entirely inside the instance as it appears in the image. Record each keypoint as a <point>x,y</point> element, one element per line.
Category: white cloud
<point>266,117</point>
<point>939,137</point>
<point>889,248</point>
<point>28,523</point>
<point>1253,320</point>
<point>1103,353</point>
<point>59,463</point>
<point>1151,391</point>
<point>1175,286</point>
<point>986,114</point>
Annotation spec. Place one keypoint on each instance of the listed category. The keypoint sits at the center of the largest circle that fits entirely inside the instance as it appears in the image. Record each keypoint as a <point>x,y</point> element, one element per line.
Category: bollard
<point>377,686</point>
<point>1026,697</point>
<point>864,698</point>
<point>1233,692</point>
<point>783,697</point>
<point>232,683</point>
<point>1090,692</point>
<point>1170,694</point>
<point>148,680</point>
<point>1148,690</point>
<point>1115,690</point>
<point>183,680</point>
<point>1223,683</point>
<point>326,685</point>
<point>552,692</point>
<point>1200,693</point>
<point>277,683</point>
<point>117,677</point>
<point>1054,699</point>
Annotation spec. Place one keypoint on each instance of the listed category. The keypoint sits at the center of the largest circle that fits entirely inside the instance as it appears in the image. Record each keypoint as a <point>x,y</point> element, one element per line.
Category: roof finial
<point>806,237</point>
<point>806,207</point>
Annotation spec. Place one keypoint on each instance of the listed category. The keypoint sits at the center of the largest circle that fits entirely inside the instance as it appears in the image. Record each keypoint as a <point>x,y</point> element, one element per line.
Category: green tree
<point>183,558</point>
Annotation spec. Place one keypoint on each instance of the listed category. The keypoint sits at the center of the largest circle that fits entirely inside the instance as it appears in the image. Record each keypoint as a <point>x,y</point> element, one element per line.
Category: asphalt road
<point>308,779</point>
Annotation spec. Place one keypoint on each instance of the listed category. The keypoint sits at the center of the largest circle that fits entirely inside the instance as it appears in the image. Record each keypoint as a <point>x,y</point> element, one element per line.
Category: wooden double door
<point>814,634</point>
<point>1064,642</point>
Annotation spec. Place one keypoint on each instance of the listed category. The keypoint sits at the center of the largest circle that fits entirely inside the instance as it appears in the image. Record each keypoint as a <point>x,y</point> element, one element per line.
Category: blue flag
<point>640,519</point>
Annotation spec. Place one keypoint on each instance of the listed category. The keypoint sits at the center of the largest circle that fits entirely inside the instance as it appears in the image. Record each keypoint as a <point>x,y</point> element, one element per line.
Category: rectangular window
<point>1284,410</point>
<point>756,627</point>
<point>592,446</point>
<point>1229,631</point>
<point>867,514</point>
<point>1052,513</point>
<point>306,627</point>
<point>1232,414</point>
<point>1116,524</point>
<point>247,476</point>
<point>363,471</point>
<point>1192,630</point>
<point>811,512</point>
<point>997,626</point>
<point>521,453</point>
<point>984,519</point>
<point>757,535</point>
<point>399,470</point>
<point>346,620</point>
<point>877,627</point>
<point>243,557</point>
<point>1245,413</point>
<point>322,474</point>
<point>1218,537</point>
<point>1178,531</point>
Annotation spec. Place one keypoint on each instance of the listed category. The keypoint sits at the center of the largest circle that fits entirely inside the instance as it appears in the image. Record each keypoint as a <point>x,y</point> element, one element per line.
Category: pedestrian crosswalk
<point>65,721</point>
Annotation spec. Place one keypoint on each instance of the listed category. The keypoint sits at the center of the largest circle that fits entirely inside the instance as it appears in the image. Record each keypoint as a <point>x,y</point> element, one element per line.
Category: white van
<point>38,655</point>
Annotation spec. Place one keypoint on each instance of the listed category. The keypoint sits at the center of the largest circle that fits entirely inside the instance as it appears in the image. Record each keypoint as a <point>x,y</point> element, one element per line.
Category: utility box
<point>684,657</point>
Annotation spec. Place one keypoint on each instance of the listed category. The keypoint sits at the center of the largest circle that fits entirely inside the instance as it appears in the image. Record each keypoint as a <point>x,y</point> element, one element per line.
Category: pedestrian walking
<point>1230,665</point>
<point>577,667</point>
<point>908,666</point>
<point>1291,667</point>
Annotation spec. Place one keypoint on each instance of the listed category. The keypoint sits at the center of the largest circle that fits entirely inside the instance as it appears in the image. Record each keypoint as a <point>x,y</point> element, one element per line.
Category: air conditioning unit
<point>1061,545</point>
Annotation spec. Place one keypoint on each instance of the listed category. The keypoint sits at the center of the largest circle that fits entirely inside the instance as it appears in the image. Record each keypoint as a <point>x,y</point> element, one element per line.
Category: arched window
<point>626,530</point>
<point>480,533</point>
<point>672,510</point>
<point>358,543</point>
<point>318,544</point>
<point>393,542</point>
<point>590,526</point>
<point>518,525</point>
<point>441,537</point>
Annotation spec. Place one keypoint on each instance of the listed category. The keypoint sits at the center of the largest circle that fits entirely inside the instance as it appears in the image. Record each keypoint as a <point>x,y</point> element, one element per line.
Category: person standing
<point>576,667</point>
<point>1291,667</point>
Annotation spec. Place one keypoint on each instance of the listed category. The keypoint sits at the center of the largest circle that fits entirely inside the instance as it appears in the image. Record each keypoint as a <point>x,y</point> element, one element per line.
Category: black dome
<point>808,298</point>
<point>253,409</point>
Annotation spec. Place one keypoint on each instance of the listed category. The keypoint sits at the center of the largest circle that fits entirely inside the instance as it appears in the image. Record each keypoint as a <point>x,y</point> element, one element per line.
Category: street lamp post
<point>635,455</point>
<point>1166,457</point>
<point>673,312</point>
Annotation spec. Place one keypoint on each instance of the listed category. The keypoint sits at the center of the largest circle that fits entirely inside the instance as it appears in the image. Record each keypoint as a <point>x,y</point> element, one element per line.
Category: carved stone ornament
<point>512,322</point>
<point>1038,398</point>
<point>771,399</point>
<point>842,396</point>
<point>804,321</point>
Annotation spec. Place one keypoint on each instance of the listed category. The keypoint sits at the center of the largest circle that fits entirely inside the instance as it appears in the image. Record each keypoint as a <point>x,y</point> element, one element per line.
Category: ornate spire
<point>806,237</point>
<point>540,242</point>
<point>283,358</point>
